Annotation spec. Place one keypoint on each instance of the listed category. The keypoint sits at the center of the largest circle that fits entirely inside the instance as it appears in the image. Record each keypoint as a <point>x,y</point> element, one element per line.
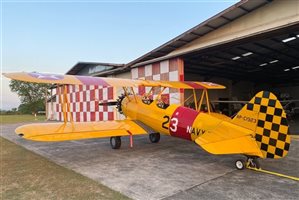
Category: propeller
<point>108,103</point>
<point>116,103</point>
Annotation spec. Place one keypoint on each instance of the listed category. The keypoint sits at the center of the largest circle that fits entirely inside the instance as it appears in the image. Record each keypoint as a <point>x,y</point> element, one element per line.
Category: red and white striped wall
<point>84,99</point>
<point>168,70</point>
<point>84,103</point>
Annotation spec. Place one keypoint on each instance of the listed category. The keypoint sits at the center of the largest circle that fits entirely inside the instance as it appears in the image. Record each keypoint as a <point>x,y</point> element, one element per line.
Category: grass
<point>26,175</point>
<point>11,119</point>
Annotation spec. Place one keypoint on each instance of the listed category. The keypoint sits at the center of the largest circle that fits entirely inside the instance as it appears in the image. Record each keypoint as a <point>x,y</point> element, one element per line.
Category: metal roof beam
<point>285,44</point>
<point>211,27</point>
<point>244,9</point>
<point>268,57</point>
<point>226,18</point>
<point>196,34</point>
<point>274,50</point>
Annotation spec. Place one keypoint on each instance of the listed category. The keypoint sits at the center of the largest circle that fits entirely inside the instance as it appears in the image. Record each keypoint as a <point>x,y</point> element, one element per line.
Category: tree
<point>32,95</point>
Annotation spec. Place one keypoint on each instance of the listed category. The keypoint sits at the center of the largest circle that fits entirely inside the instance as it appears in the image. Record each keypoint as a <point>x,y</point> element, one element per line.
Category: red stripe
<point>110,93</point>
<point>110,115</point>
<point>77,116</point>
<point>92,116</point>
<point>181,118</point>
<point>194,85</point>
<point>87,80</point>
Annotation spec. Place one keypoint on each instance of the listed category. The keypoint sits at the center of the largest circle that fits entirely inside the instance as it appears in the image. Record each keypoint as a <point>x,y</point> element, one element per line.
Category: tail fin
<point>264,115</point>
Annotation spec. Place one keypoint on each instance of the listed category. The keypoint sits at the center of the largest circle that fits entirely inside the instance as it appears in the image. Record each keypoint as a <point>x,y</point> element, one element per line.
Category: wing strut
<point>204,95</point>
<point>65,105</point>
<point>195,99</point>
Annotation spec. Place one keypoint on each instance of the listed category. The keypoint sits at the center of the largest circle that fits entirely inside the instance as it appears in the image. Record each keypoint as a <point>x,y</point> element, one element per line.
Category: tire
<point>154,137</point>
<point>115,142</point>
<point>256,163</point>
<point>240,164</point>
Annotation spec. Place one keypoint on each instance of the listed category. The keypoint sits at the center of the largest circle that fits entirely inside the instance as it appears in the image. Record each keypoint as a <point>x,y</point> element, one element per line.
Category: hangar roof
<point>228,15</point>
<point>81,65</point>
<point>263,57</point>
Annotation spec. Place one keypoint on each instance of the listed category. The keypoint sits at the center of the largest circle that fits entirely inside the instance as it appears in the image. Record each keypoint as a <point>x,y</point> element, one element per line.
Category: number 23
<point>174,123</point>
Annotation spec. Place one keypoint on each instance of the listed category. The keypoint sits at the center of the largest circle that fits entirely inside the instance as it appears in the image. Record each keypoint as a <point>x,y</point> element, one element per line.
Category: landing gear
<point>115,142</point>
<point>154,137</point>
<point>252,162</point>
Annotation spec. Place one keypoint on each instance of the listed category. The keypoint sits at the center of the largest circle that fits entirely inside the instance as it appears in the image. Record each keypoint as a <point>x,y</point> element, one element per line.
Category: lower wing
<point>76,131</point>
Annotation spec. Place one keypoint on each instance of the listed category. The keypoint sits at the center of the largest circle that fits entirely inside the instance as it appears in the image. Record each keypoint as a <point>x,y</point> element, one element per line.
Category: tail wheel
<point>115,142</point>
<point>154,137</point>
<point>254,162</point>
<point>240,164</point>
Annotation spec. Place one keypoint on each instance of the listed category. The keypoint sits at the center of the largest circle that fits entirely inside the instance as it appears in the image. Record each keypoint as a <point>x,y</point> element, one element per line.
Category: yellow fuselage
<point>175,120</point>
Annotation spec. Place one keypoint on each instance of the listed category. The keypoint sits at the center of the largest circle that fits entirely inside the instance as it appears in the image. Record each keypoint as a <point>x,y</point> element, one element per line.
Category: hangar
<point>248,47</point>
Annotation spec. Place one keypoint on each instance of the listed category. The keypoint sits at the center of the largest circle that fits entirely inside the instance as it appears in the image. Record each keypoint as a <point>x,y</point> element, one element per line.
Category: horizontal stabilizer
<point>229,138</point>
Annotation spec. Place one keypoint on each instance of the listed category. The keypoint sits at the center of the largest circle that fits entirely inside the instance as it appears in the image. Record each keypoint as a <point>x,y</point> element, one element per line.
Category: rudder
<point>264,115</point>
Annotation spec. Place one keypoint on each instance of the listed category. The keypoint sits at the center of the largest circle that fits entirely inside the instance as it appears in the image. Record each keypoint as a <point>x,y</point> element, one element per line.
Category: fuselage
<point>174,120</point>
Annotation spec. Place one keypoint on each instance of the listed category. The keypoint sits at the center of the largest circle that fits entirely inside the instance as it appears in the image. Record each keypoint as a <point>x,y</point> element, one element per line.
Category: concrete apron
<point>171,169</point>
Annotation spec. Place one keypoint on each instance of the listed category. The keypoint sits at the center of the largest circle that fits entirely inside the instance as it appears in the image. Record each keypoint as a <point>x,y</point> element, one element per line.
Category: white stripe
<point>97,116</point>
<point>134,73</point>
<point>74,116</point>
<point>110,109</point>
<point>96,95</point>
<point>92,106</point>
<point>71,107</point>
<point>88,116</point>
<point>84,106</point>
<point>105,93</point>
<point>157,77</point>
<point>164,66</point>
<point>81,96</point>
<point>174,98</point>
<point>173,76</point>
<point>100,108</point>
<point>77,106</point>
<point>88,95</point>
<point>105,116</point>
<point>81,117</point>
<point>148,70</point>
<point>74,97</point>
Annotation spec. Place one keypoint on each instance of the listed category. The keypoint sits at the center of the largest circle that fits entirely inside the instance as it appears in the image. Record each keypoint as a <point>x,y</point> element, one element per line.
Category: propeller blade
<point>109,103</point>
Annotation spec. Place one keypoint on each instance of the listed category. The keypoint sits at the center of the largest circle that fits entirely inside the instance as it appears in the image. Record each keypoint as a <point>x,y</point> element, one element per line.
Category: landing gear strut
<point>252,162</point>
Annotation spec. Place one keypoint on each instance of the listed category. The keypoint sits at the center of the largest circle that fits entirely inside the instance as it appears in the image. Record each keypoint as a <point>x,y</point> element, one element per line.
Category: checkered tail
<point>269,123</point>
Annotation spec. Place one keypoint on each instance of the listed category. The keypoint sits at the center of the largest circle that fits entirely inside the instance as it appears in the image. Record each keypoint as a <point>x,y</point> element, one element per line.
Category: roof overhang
<point>227,16</point>
<point>81,65</point>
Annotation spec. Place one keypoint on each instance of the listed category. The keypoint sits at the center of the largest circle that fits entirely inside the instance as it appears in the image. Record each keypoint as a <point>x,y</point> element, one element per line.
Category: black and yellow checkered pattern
<point>271,131</point>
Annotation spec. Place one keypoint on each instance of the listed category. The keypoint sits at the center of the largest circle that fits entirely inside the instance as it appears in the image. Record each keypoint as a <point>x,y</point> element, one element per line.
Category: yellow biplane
<point>258,130</point>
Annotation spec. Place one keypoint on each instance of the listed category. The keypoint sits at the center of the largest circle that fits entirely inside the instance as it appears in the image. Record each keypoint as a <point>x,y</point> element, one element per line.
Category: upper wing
<point>78,130</point>
<point>228,138</point>
<point>116,82</point>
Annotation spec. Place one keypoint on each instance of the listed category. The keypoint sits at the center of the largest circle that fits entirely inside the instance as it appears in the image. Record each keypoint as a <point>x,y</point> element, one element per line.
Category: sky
<point>52,36</point>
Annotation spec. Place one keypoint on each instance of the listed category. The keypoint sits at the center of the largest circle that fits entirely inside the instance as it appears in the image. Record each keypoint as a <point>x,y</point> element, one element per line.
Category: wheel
<point>115,142</point>
<point>240,164</point>
<point>154,137</point>
<point>256,163</point>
